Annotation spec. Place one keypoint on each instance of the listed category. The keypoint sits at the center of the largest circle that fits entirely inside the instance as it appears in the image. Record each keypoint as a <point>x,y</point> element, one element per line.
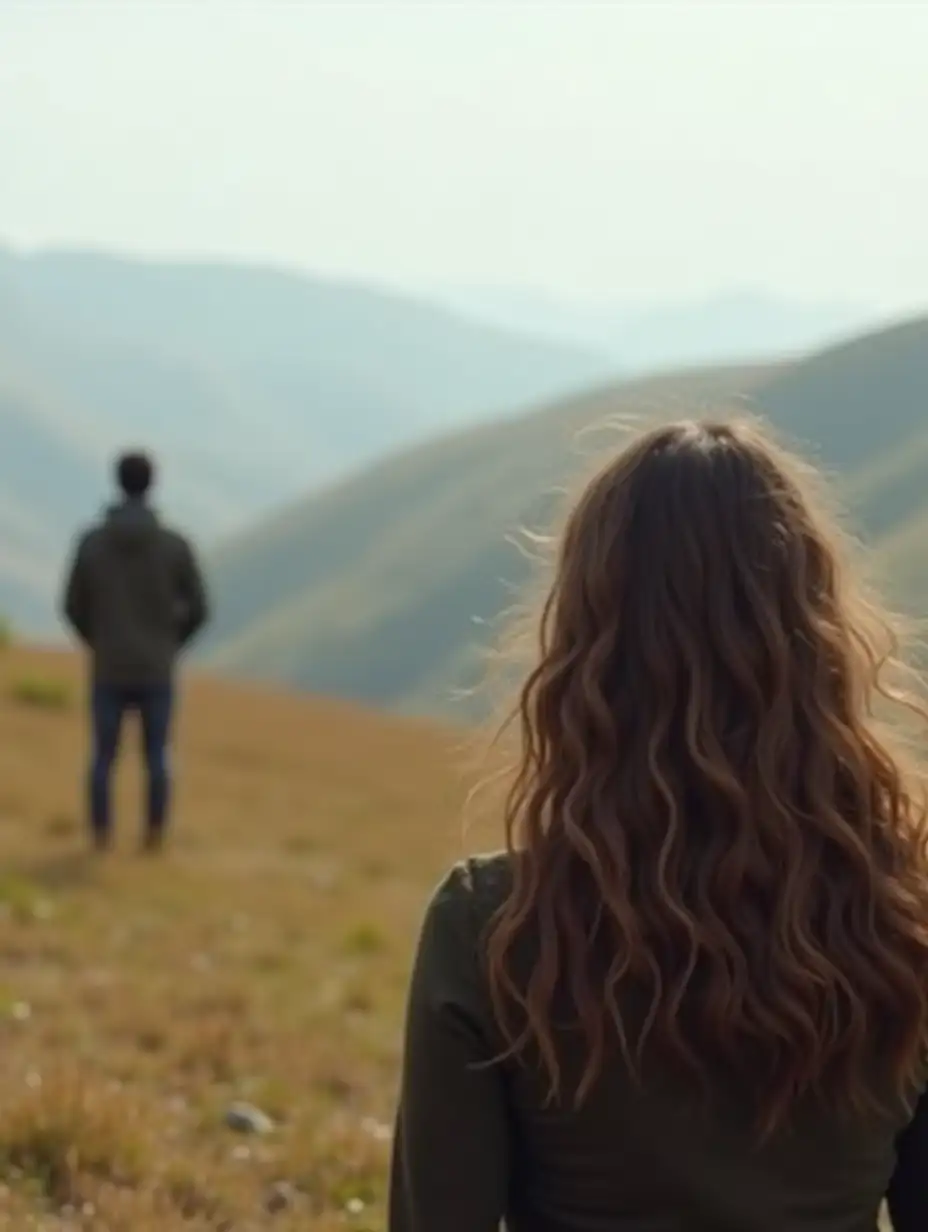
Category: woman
<point>693,993</point>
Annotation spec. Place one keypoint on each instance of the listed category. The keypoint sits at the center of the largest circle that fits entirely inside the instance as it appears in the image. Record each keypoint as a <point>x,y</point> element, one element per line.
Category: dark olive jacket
<point>476,1145</point>
<point>135,595</point>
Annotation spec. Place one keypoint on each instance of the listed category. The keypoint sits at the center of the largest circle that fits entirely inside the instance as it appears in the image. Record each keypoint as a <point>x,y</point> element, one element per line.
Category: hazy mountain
<point>251,385</point>
<point>738,326</point>
<point>372,590</point>
<point>344,369</point>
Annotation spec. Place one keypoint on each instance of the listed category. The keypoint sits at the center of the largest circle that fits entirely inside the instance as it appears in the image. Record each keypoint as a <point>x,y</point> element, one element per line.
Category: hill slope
<point>860,409</point>
<point>252,385</point>
<point>370,591</point>
<point>265,959</point>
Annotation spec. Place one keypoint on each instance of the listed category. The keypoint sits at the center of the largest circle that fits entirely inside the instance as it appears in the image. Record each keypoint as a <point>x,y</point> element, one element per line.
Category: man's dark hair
<point>135,472</point>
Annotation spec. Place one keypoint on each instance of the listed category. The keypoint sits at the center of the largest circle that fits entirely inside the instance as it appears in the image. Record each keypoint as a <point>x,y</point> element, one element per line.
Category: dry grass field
<point>262,958</point>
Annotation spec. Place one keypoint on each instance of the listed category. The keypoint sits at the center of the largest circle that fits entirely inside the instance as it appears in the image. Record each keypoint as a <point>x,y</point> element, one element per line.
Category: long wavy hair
<point>710,798</point>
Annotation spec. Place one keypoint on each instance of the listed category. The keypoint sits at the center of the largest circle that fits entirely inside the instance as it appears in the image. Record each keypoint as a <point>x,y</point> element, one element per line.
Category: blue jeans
<point>109,705</point>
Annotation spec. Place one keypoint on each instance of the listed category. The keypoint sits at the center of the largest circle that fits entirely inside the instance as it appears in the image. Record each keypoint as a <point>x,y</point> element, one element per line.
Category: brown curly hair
<point>711,799</point>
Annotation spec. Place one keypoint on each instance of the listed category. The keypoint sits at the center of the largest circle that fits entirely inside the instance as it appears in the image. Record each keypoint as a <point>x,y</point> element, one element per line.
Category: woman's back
<point>634,1157</point>
<point>693,994</point>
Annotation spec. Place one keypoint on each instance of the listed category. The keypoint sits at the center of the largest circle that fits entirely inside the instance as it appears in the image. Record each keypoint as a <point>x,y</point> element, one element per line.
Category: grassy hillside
<point>265,959</point>
<point>861,409</point>
<point>370,591</point>
<point>251,385</point>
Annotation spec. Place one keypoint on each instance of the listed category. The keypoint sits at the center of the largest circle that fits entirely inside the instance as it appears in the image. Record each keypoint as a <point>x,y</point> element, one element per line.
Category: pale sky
<point>616,149</point>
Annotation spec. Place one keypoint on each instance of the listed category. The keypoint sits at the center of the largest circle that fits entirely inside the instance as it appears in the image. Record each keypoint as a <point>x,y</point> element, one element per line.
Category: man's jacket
<point>134,595</point>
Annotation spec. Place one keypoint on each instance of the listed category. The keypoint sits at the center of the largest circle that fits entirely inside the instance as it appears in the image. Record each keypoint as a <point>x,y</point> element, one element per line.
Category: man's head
<point>135,473</point>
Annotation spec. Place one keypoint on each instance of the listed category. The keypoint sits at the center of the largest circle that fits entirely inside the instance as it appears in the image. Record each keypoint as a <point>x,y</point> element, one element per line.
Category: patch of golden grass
<point>263,958</point>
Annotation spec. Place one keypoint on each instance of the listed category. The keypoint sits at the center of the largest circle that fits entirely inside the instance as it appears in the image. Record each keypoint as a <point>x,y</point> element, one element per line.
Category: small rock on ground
<point>280,1197</point>
<point>247,1119</point>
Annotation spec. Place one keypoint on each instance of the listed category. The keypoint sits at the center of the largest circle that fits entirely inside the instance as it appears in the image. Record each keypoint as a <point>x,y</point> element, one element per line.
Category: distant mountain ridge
<point>737,326</point>
<point>384,588</point>
<point>251,385</point>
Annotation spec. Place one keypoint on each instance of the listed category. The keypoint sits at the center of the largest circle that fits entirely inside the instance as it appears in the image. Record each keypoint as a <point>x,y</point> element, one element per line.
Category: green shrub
<point>364,939</point>
<point>19,897</point>
<point>40,692</point>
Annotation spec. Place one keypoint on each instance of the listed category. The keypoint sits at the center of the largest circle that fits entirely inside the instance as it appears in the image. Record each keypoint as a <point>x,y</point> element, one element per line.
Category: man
<point>135,597</point>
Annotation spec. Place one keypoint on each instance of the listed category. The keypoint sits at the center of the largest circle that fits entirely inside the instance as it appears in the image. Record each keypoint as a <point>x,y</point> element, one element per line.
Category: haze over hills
<point>257,386</point>
<point>251,384</point>
<point>736,326</point>
<point>372,589</point>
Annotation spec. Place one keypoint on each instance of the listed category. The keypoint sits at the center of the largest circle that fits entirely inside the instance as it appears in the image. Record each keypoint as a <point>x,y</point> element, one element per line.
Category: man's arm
<point>194,605</point>
<point>76,601</point>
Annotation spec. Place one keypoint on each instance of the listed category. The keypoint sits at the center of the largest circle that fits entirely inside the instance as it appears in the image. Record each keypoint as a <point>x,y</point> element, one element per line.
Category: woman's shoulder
<point>455,928</point>
<point>475,888</point>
